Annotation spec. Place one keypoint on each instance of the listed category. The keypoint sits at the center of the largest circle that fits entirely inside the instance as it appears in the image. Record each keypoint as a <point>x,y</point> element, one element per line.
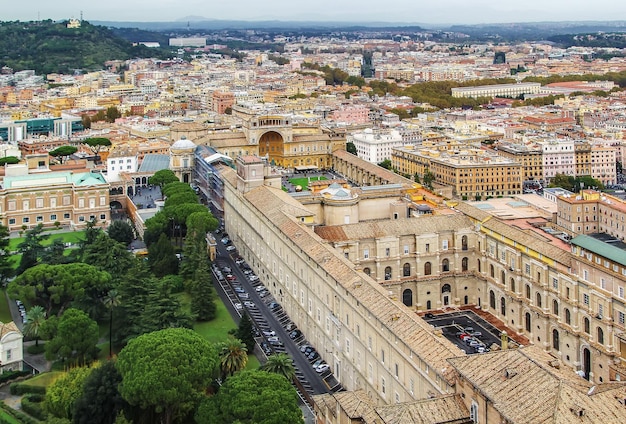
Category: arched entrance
<point>445,292</point>
<point>407,297</point>
<point>586,363</point>
<point>271,144</point>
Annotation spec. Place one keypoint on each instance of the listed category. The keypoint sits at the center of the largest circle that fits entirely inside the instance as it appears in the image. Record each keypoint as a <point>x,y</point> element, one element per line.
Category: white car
<point>238,306</point>
<point>231,248</point>
<point>322,368</point>
<point>253,278</point>
<point>249,304</point>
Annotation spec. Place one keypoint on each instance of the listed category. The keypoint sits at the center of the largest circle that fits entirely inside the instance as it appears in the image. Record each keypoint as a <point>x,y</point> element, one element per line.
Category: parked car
<point>304,347</point>
<point>322,368</point>
<point>274,306</point>
<point>295,334</point>
<point>238,306</point>
<point>231,248</point>
<point>249,304</point>
<point>231,277</point>
<point>239,289</point>
<point>269,333</point>
<point>227,270</point>
<point>243,295</point>
<point>253,278</point>
<point>313,356</point>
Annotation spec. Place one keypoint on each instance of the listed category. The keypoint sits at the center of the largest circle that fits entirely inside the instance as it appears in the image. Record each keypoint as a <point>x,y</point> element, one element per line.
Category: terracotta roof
<point>384,174</point>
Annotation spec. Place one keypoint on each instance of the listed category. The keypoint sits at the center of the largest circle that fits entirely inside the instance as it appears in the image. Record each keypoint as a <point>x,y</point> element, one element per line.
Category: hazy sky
<point>406,11</point>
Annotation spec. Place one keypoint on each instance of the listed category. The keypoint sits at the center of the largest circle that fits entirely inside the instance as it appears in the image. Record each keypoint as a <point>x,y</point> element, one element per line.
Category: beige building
<point>530,158</point>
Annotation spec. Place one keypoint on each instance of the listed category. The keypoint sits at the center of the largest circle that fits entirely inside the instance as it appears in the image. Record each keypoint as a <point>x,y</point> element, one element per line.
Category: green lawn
<point>45,378</point>
<point>5,312</point>
<point>217,330</point>
<point>72,237</point>
<point>304,182</point>
<point>5,417</point>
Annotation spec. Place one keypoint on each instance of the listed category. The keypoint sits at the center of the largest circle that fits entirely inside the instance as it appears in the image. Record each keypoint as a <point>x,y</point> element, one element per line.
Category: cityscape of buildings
<point>359,261</point>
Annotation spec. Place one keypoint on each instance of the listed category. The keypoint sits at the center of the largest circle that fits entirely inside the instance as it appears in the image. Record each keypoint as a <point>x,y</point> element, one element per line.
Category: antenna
<point>81,15</point>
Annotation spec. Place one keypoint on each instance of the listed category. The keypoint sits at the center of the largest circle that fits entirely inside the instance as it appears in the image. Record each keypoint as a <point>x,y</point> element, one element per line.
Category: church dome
<point>183,144</point>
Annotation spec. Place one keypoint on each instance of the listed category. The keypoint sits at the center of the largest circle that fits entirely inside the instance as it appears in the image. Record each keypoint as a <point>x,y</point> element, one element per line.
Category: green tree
<point>202,294</point>
<point>147,367</point>
<point>6,267</point>
<point>9,160</point>
<point>62,395</point>
<point>111,301</point>
<point>35,317</point>
<point>31,248</point>
<point>54,254</point>
<point>245,332</point>
<point>109,255</point>
<point>162,177</point>
<point>428,179</point>
<point>564,181</point>
<point>112,114</point>
<point>252,397</point>
<point>351,148</point>
<point>233,357</point>
<point>162,258</point>
<point>121,231</point>
<point>586,181</point>
<point>386,164</point>
<point>76,338</point>
<point>416,178</point>
<point>96,144</point>
<point>100,402</point>
<point>281,364</point>
<point>63,152</point>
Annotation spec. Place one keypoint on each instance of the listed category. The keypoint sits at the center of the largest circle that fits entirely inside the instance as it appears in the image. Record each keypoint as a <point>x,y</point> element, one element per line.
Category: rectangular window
<point>370,371</point>
<point>9,354</point>
<point>53,217</point>
<point>39,218</point>
<point>11,221</point>
<point>39,202</point>
<point>586,299</point>
<point>12,205</point>
<point>620,292</point>
<point>602,283</point>
<point>26,220</point>
<point>397,369</point>
<point>621,318</point>
<point>366,253</point>
<point>444,245</point>
<point>66,200</point>
<point>26,205</point>
<point>81,203</point>
<point>427,247</point>
<point>66,216</point>
<point>347,346</point>
<point>555,283</point>
<point>382,356</point>
<point>103,217</point>
<point>601,310</point>
<point>383,387</point>
<point>585,275</point>
<point>527,268</point>
<point>369,342</point>
<point>387,251</point>
<point>406,249</point>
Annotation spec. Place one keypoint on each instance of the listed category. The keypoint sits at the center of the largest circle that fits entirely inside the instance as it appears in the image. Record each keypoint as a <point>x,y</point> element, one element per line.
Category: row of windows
<point>53,217</point>
<point>406,268</point>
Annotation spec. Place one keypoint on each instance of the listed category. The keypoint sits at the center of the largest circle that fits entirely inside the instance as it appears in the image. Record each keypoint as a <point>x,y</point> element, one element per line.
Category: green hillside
<point>49,47</point>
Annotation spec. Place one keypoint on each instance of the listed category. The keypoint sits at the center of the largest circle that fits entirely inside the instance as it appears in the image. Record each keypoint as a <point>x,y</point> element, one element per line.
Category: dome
<point>183,144</point>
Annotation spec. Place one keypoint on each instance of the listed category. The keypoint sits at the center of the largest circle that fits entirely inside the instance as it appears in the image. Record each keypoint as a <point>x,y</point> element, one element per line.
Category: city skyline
<point>404,11</point>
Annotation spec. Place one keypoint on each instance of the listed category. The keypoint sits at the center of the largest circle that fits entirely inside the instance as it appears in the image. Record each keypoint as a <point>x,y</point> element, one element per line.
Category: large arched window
<point>492,271</point>
<point>528,323</point>
<point>568,316</point>
<point>479,266</point>
<point>367,271</point>
<point>555,307</point>
<point>465,299</point>
<point>464,243</point>
<point>446,288</point>
<point>586,325</point>
<point>445,265</point>
<point>555,339</point>
<point>388,273</point>
<point>600,336</point>
<point>503,277</point>
<point>406,270</point>
<point>503,306</point>
<point>492,299</point>
<point>464,264</point>
<point>527,291</point>
<point>538,300</point>
<point>407,297</point>
<point>513,285</point>
<point>427,268</point>
<point>428,304</point>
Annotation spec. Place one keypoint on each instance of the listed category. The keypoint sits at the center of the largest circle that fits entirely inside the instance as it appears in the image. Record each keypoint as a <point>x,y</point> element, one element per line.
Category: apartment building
<point>558,157</point>
<point>375,145</point>
<point>603,164</point>
<point>528,156</point>
<point>506,90</point>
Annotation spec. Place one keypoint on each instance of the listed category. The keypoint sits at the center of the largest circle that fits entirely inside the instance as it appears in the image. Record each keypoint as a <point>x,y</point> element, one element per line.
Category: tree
<point>385,164</point>
<point>428,179</point>
<point>280,364</point>
<point>162,258</point>
<point>351,148</point>
<point>233,357</point>
<point>111,300</point>
<point>63,152</point>
<point>162,177</point>
<point>202,294</point>
<point>9,160</point>
<point>35,317</point>
<point>6,267</point>
<point>252,397</point>
<point>31,248</point>
<point>100,402</point>
<point>564,181</point>
<point>96,144</point>
<point>56,286</point>
<point>121,231</point>
<point>76,338</point>
<point>147,366</point>
<point>109,255</point>
<point>112,114</point>
<point>416,178</point>
<point>54,254</point>
<point>245,332</point>
<point>62,395</point>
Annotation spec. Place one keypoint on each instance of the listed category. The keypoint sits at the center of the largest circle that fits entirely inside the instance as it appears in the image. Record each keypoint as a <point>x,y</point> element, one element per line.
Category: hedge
<point>10,375</point>
<point>33,407</point>
<point>18,415</point>
<point>23,388</point>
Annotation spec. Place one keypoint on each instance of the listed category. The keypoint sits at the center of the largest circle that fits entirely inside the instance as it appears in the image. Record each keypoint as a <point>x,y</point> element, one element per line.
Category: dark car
<point>313,356</point>
<point>274,306</point>
<point>295,334</point>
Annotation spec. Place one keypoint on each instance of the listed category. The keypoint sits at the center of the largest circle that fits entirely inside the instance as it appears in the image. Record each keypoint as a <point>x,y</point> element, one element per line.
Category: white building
<point>11,347</point>
<point>121,160</point>
<point>603,167</point>
<point>558,157</point>
<point>374,145</point>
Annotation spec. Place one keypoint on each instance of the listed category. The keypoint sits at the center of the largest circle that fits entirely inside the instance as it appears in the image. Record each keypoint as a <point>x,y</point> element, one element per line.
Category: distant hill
<point>49,47</point>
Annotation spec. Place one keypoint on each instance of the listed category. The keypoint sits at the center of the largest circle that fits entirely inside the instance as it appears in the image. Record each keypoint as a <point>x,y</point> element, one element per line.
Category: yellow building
<point>530,158</point>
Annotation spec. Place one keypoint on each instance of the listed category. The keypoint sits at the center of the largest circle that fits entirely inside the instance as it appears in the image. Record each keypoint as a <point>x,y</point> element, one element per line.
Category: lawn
<point>45,378</point>
<point>5,312</point>
<point>71,237</point>
<point>5,417</point>
<point>304,182</point>
<point>217,330</point>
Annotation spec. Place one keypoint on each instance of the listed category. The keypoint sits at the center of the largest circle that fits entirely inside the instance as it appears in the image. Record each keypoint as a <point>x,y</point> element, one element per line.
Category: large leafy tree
<point>245,332</point>
<point>109,255</point>
<point>162,258</point>
<point>163,177</point>
<point>75,339</point>
<point>62,395</point>
<point>63,152</point>
<point>31,248</point>
<point>252,397</point>
<point>167,372</point>
<point>96,144</point>
<point>100,402</point>
<point>233,357</point>
<point>55,286</point>
<point>6,269</point>
<point>202,294</point>
<point>281,364</point>
<point>121,231</point>
<point>35,318</point>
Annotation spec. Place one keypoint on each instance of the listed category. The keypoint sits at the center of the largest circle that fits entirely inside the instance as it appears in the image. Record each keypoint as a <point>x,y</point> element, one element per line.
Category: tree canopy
<point>62,152</point>
<point>62,395</point>
<point>76,338</point>
<point>96,144</point>
<point>257,397</point>
<point>162,177</point>
<point>100,402</point>
<point>167,372</point>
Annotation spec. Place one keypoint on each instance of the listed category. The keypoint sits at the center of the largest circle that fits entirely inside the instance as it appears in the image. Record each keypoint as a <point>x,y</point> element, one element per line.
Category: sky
<point>401,11</point>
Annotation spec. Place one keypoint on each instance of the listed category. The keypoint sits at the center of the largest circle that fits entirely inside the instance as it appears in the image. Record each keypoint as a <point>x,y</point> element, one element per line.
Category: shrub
<point>36,350</point>
<point>23,388</point>
<point>33,407</point>
<point>11,375</point>
<point>18,415</point>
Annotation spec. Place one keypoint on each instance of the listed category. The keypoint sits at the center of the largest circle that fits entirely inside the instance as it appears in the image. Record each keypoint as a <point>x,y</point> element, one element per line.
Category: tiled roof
<point>154,162</point>
<point>8,328</point>
<point>368,167</point>
<point>612,252</point>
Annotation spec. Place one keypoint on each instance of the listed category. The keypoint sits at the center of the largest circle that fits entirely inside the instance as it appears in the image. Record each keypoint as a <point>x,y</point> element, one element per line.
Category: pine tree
<point>244,332</point>
<point>203,296</point>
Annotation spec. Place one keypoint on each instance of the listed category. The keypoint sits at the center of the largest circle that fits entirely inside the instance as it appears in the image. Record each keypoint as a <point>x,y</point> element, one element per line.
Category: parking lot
<point>483,335</point>
<point>243,291</point>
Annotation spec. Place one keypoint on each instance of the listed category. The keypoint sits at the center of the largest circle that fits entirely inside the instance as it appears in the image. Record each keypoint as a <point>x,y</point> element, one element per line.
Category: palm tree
<point>233,357</point>
<point>111,300</point>
<point>35,318</point>
<point>282,364</point>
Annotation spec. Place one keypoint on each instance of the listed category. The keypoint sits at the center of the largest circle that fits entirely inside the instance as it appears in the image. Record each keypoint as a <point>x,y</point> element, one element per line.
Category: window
<point>555,283</point>
<point>39,218</point>
<point>427,268</point>
<point>39,202</point>
<point>464,264</point>
<point>406,249</point>
<point>427,247</point>
<point>388,273</point>
<point>387,251</point>
<point>444,245</point>
<point>527,291</point>
<point>586,299</point>
<point>347,346</point>
<point>568,317</point>
<point>586,325</point>
<point>492,299</point>
<point>407,297</point>
<point>600,336</point>
<point>406,270</point>
<point>397,369</point>
<point>411,385</point>
<point>366,253</point>
<point>66,216</point>
<point>12,221</point>
<point>464,243</point>
<point>445,265</point>
<point>621,318</point>
<point>512,284</point>
<point>538,300</point>
<point>25,219</point>
<point>383,388</point>
<point>555,340</point>
<point>474,412</point>
<point>9,354</point>
<point>53,217</point>
<point>527,268</point>
<point>528,322</point>
<point>555,307</point>
<point>382,356</point>
<point>620,291</point>
<point>103,216</point>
